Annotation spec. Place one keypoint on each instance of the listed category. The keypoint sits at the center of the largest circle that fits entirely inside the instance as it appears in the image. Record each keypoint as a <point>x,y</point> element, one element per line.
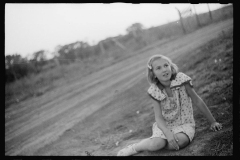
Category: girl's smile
<point>165,74</point>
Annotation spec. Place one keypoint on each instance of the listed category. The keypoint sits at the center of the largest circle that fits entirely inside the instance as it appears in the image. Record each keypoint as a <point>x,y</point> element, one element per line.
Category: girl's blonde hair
<point>150,74</point>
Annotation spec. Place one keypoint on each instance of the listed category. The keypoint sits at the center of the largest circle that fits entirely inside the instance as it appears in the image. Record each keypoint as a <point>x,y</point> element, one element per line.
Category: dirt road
<point>32,124</point>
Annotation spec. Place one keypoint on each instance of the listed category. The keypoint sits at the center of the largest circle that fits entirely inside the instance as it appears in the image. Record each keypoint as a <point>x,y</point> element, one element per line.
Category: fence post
<point>197,16</point>
<point>56,62</point>
<point>210,14</point>
<point>118,43</point>
<point>102,47</point>
<point>55,53</point>
<point>184,31</point>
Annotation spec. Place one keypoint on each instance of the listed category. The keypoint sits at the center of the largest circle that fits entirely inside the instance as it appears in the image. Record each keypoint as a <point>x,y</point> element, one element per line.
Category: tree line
<point>17,67</point>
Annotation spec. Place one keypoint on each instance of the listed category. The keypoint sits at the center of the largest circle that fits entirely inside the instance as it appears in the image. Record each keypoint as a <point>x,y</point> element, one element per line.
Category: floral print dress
<point>177,111</point>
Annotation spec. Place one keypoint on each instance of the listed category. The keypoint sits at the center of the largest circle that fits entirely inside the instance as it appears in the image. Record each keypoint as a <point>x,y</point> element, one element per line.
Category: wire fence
<point>190,19</point>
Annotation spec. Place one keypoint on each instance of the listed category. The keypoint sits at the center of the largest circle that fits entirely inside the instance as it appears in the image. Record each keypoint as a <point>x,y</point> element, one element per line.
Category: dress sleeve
<point>181,79</point>
<point>186,79</point>
<point>155,93</point>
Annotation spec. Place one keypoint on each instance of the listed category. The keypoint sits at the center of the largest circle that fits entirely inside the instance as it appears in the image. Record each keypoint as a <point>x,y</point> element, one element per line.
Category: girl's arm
<point>171,138</point>
<point>202,107</point>
<point>158,117</point>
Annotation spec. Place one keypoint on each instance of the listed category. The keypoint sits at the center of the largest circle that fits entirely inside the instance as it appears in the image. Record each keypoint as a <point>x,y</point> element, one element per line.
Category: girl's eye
<point>166,65</point>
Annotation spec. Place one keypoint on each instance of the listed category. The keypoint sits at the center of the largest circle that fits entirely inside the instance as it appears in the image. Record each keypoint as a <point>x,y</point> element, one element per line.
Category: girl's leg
<point>150,144</point>
<point>183,141</point>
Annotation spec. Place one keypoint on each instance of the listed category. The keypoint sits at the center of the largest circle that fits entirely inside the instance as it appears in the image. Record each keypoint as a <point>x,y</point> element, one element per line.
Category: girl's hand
<point>215,126</point>
<point>172,140</point>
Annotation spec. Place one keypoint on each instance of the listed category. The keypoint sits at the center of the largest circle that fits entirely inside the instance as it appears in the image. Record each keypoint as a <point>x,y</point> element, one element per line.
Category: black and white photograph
<point>118,79</point>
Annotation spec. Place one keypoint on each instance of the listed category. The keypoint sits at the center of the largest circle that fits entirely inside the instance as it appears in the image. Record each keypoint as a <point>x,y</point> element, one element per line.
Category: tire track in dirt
<point>87,88</point>
<point>27,133</point>
<point>65,112</point>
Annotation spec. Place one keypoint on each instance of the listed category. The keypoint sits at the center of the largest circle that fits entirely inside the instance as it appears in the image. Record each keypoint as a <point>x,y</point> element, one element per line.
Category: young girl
<point>172,95</point>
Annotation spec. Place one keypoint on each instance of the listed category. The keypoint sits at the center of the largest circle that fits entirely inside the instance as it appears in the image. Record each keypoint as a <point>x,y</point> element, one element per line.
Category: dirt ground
<point>83,115</point>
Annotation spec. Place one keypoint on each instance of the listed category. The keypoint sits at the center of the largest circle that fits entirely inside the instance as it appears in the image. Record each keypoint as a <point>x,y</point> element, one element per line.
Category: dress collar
<point>157,90</point>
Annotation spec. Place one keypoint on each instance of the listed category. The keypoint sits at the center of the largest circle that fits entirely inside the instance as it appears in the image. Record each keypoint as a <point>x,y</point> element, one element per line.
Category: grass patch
<point>221,145</point>
<point>212,71</point>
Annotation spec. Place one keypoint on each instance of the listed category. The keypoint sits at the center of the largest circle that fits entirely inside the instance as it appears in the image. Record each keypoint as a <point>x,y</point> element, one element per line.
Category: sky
<point>31,27</point>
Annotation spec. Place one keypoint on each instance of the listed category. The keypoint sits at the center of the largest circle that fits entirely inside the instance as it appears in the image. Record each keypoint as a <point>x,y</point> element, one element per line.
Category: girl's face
<point>162,69</point>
